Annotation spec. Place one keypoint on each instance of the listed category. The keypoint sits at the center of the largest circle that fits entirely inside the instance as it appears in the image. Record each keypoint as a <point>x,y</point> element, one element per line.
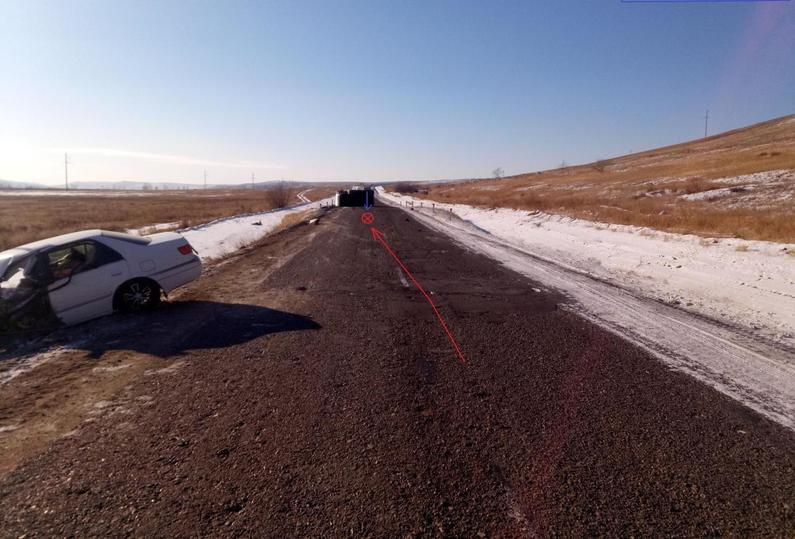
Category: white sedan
<point>89,274</point>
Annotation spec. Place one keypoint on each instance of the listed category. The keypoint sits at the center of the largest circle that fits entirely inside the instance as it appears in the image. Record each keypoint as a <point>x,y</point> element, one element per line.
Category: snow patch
<point>13,367</point>
<point>153,229</point>
<point>769,176</point>
<point>224,236</point>
<point>171,369</point>
<point>712,194</point>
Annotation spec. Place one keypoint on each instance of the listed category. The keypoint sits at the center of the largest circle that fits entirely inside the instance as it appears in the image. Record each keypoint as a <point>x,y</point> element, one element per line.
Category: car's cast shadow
<point>173,328</point>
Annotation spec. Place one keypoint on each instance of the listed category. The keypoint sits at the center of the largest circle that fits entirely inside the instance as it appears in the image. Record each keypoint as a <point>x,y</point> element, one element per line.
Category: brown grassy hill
<point>27,216</point>
<point>740,183</point>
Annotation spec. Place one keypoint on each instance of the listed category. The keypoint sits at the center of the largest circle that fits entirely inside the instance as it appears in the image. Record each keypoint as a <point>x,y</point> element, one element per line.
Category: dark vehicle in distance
<point>355,198</point>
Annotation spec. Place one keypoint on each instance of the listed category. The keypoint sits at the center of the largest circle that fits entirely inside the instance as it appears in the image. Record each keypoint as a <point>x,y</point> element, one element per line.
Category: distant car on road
<point>355,197</point>
<point>85,275</point>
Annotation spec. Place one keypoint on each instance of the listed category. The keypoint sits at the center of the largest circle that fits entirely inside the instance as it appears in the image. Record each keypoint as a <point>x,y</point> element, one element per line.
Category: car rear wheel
<point>138,295</point>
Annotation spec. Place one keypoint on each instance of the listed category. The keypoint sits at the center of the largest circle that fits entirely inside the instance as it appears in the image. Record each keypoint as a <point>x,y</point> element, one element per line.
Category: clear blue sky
<point>338,89</point>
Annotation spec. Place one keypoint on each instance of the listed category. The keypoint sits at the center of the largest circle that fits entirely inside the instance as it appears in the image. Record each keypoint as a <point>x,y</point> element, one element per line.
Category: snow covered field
<point>615,275</point>
<point>223,236</point>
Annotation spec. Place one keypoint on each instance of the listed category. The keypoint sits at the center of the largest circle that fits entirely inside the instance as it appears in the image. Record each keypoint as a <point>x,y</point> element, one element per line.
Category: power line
<point>66,170</point>
<point>706,123</point>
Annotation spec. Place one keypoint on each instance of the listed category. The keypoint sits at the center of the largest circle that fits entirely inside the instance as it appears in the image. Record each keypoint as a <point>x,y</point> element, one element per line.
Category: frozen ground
<point>220,237</point>
<point>614,276</point>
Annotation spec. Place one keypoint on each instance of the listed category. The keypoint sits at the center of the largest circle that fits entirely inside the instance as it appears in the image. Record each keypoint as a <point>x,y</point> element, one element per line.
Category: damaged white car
<point>76,277</point>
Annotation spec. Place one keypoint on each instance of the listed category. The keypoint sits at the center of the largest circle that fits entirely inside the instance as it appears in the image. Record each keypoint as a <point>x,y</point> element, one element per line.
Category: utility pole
<point>66,170</point>
<point>252,180</point>
<point>205,178</point>
<point>706,123</point>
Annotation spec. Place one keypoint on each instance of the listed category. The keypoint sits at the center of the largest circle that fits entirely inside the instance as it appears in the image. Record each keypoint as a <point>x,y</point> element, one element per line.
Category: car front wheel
<point>138,295</point>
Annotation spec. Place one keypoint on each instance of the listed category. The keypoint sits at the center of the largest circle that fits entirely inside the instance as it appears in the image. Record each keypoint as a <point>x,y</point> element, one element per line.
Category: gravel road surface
<point>304,388</point>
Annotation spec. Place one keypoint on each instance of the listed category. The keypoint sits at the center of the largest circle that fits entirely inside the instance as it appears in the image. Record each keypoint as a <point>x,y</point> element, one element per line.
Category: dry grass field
<point>736,184</point>
<point>29,217</point>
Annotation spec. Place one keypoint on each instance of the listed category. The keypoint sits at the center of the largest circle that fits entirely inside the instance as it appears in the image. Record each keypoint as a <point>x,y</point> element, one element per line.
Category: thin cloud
<point>166,158</point>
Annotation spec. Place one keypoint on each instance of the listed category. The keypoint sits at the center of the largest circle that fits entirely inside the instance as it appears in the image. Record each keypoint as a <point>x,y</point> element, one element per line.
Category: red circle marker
<point>368,218</point>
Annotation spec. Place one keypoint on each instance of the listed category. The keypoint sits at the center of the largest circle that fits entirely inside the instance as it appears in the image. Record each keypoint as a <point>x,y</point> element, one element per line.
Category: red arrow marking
<point>379,237</point>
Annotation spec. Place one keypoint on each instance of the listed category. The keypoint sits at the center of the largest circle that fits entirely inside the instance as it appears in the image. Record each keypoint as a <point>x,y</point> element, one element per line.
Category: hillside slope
<point>736,184</point>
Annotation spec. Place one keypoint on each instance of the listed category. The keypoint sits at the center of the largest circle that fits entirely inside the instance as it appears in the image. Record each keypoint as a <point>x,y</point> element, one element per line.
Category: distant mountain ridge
<point>133,185</point>
<point>12,184</point>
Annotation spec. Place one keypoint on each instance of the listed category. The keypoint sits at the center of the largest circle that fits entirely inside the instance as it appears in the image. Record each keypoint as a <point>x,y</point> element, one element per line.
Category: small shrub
<point>405,187</point>
<point>601,165</point>
<point>279,195</point>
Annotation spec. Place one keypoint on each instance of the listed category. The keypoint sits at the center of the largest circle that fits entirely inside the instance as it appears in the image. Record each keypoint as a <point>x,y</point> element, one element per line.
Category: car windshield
<point>15,272</point>
<point>4,263</point>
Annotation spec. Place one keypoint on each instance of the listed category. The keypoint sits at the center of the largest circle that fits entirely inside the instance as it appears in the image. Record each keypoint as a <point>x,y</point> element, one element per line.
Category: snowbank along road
<point>750,284</point>
<point>754,369</point>
<point>304,387</point>
<point>223,236</point>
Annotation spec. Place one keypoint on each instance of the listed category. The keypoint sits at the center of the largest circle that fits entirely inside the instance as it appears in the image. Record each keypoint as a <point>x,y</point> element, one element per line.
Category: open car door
<point>24,304</point>
<point>84,278</point>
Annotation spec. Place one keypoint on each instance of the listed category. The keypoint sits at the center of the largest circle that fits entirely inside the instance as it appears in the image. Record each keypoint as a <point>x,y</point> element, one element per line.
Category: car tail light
<point>185,249</point>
